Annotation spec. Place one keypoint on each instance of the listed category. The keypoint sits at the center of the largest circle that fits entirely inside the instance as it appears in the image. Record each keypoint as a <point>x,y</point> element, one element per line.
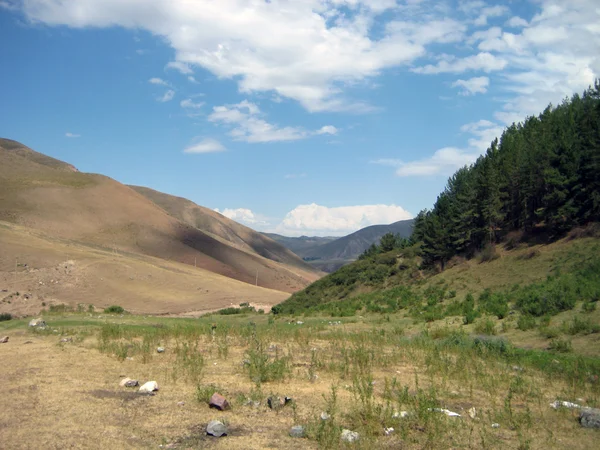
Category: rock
<point>128,382</point>
<point>325,416</point>
<point>388,431</point>
<point>66,340</point>
<point>219,402</point>
<point>160,349</point>
<point>590,418</point>
<point>562,404</point>
<point>180,403</point>
<point>472,413</point>
<point>445,411</point>
<point>37,323</point>
<point>148,387</point>
<point>216,428</point>
<point>517,368</point>
<point>4,340</point>
<point>350,436</point>
<point>495,425</point>
<point>401,414</point>
<point>297,431</point>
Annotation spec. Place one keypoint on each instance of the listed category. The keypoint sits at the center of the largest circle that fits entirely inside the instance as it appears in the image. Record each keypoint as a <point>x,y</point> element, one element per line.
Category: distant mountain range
<point>329,253</point>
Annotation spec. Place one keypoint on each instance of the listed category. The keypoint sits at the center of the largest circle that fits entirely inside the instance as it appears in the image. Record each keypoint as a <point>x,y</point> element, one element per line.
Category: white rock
<point>325,416</point>
<point>495,425</point>
<point>350,436</point>
<point>160,350</point>
<point>388,431</point>
<point>150,386</point>
<point>401,414</point>
<point>445,411</point>
<point>38,323</point>
<point>472,413</point>
<point>216,428</point>
<point>558,404</point>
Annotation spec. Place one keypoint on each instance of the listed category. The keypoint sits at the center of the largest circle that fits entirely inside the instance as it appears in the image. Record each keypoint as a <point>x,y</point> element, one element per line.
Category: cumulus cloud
<point>516,22</point>
<point>320,48</point>
<point>483,61</point>
<point>443,162</point>
<point>320,220</point>
<point>205,146</point>
<point>158,81</point>
<point>247,125</point>
<point>472,86</point>
<point>72,135</point>
<point>188,103</point>
<point>244,216</point>
<point>167,96</point>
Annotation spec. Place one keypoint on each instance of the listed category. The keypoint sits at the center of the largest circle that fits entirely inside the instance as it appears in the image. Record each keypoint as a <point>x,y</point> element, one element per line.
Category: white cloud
<point>483,61</point>
<point>472,86</point>
<point>191,79</point>
<point>443,162</point>
<point>188,103</point>
<point>516,22</point>
<point>158,81</point>
<point>244,216</point>
<point>180,66</point>
<point>327,129</point>
<point>315,219</point>
<point>320,47</point>
<point>167,97</point>
<point>72,135</point>
<point>205,146</point>
<point>248,126</point>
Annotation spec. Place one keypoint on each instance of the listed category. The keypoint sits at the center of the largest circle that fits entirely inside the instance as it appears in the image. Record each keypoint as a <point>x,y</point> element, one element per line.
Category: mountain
<point>300,245</point>
<point>51,196</point>
<point>329,254</point>
<point>225,229</point>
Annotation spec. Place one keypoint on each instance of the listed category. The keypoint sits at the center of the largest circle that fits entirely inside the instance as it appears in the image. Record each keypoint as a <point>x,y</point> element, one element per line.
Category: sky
<point>300,117</point>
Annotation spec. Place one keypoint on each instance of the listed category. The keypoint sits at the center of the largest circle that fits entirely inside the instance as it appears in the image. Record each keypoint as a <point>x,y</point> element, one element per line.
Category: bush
<point>486,326</point>
<point>114,309</point>
<point>560,345</point>
<point>495,304</point>
<point>581,326</point>
<point>5,316</point>
<point>233,310</point>
<point>526,322</point>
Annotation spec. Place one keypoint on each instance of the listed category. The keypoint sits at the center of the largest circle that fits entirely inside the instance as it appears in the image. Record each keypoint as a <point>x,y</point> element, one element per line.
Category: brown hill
<point>43,193</point>
<point>223,228</point>
<point>38,271</point>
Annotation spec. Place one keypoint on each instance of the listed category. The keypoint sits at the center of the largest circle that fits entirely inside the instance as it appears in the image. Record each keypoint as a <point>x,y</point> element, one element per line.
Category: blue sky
<point>299,117</point>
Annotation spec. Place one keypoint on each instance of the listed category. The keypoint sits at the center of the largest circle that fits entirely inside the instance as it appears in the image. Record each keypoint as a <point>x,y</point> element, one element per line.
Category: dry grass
<point>69,395</point>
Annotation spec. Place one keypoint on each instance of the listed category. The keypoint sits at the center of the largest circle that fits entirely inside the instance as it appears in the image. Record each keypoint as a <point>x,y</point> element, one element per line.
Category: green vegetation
<point>114,309</point>
<point>540,180</point>
<point>5,316</point>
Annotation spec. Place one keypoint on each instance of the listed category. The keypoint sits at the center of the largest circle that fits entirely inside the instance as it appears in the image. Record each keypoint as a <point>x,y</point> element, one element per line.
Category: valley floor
<point>363,372</point>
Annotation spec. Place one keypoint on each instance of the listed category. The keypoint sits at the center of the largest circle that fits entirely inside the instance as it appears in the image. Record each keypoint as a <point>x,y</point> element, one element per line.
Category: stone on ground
<point>216,428</point>
<point>148,387</point>
<point>590,418</point>
<point>160,349</point>
<point>219,402</point>
<point>37,323</point>
<point>297,431</point>
<point>128,382</point>
<point>4,340</point>
<point>350,436</point>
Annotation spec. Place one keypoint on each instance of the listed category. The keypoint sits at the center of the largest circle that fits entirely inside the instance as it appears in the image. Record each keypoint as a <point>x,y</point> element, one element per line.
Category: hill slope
<point>223,228</point>
<point>45,194</point>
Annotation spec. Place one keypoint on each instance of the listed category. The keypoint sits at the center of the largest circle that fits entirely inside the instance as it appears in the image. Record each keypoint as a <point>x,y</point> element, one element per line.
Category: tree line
<point>542,175</point>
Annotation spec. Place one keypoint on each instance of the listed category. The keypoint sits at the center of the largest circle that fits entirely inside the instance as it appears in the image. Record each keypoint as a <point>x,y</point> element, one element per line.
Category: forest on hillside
<point>542,177</point>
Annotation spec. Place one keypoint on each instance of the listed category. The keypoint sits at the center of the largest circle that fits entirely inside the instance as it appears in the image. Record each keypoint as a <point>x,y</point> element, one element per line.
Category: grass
<point>362,372</point>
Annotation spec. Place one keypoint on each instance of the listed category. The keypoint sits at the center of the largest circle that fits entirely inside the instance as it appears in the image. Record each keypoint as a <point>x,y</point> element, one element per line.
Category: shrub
<point>233,310</point>
<point>526,322</point>
<point>485,326</point>
<point>114,309</point>
<point>495,304</point>
<point>5,316</point>
<point>470,317</point>
<point>588,307</point>
<point>560,345</point>
<point>581,326</point>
